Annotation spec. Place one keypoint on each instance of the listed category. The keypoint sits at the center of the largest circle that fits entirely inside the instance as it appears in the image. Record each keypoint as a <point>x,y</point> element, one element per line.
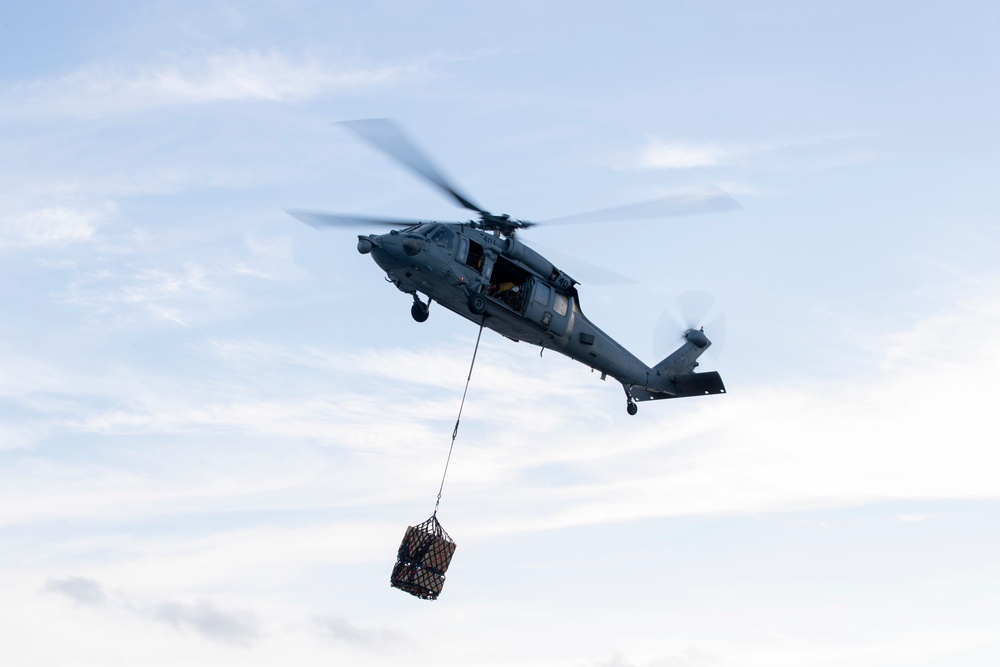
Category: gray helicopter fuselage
<point>481,271</point>
<point>523,297</point>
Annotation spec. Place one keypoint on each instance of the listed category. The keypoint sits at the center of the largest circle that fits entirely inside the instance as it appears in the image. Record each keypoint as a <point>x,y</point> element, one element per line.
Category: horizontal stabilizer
<point>689,384</point>
<point>699,384</point>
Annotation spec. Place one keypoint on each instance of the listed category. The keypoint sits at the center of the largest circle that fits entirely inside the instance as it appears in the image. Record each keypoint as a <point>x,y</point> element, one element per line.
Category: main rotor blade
<point>711,200</point>
<point>319,220</point>
<point>389,138</point>
<point>581,269</point>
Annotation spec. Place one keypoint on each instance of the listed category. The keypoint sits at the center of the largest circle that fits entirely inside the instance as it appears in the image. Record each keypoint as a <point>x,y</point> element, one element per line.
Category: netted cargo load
<point>423,558</point>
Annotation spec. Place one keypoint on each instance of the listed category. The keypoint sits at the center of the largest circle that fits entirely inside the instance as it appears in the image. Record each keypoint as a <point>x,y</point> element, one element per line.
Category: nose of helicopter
<point>393,244</point>
<point>386,249</point>
<point>381,244</point>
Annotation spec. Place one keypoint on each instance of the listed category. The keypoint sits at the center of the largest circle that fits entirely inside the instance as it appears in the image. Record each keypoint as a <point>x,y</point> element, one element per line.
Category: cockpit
<point>442,235</point>
<point>416,238</point>
<point>422,229</point>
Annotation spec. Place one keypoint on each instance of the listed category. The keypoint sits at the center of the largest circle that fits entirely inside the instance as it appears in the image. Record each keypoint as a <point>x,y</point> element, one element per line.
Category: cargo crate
<point>422,560</point>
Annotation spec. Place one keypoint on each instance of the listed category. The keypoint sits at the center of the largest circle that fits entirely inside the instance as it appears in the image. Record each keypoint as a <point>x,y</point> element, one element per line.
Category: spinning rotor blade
<point>582,270</point>
<point>693,310</point>
<point>711,200</point>
<point>320,220</point>
<point>389,138</point>
<point>694,306</point>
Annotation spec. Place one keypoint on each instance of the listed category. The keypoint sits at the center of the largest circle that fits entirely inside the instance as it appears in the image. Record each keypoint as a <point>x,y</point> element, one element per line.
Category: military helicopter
<point>481,270</point>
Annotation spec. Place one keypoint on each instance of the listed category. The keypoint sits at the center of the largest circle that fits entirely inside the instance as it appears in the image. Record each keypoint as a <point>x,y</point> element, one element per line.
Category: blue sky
<point>216,422</point>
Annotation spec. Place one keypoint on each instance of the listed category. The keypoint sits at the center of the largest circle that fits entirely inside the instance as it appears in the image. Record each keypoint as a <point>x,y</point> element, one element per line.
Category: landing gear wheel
<point>477,303</point>
<point>420,312</point>
<point>631,408</point>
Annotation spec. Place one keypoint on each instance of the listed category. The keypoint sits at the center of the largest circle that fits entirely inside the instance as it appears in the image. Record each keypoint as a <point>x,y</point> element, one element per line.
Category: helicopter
<point>481,270</point>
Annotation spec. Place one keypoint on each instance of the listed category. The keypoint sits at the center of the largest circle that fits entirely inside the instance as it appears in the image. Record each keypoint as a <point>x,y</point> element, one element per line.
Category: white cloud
<point>234,74</point>
<point>922,426</point>
<point>755,450</point>
<point>565,455</point>
<point>686,154</point>
<point>52,225</point>
<point>195,291</point>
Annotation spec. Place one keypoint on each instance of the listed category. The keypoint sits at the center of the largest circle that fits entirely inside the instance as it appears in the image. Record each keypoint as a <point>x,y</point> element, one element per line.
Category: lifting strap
<point>454,434</point>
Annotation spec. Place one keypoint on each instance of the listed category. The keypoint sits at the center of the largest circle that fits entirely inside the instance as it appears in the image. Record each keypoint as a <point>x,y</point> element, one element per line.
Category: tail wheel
<point>631,408</point>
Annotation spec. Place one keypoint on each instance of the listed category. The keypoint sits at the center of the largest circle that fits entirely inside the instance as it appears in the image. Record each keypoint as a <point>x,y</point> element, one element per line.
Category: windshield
<point>423,229</point>
<point>444,237</point>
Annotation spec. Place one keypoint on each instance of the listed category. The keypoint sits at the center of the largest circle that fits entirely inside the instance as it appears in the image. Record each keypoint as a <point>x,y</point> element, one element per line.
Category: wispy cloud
<point>203,617</point>
<point>687,154</point>
<point>176,295</point>
<point>691,656</point>
<point>51,225</point>
<point>82,590</point>
<point>342,631</point>
<point>234,74</point>
<point>234,626</point>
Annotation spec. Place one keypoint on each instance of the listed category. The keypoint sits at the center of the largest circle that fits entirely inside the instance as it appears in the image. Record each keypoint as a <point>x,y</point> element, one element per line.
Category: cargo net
<point>423,558</point>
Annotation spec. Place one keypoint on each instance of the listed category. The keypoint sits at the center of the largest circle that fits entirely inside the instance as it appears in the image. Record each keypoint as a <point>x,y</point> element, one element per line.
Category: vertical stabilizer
<point>674,377</point>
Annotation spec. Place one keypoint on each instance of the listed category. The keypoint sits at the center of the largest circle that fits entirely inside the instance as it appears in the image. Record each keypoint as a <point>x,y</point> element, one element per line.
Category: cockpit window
<point>444,237</point>
<point>423,229</point>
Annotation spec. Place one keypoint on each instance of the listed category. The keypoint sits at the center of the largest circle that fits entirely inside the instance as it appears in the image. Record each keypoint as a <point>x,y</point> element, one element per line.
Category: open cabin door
<point>529,296</point>
<point>509,285</point>
<point>469,253</point>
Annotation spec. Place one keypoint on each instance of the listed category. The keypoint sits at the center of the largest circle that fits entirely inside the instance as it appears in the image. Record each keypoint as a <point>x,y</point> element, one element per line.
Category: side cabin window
<point>541,295</point>
<point>561,305</point>
<point>548,308</point>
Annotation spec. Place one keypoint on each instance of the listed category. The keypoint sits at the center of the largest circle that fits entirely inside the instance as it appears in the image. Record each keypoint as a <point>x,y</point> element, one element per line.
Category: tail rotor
<point>693,311</point>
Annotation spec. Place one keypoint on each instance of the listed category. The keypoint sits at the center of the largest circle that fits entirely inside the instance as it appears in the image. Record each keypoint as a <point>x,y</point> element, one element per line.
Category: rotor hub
<point>504,224</point>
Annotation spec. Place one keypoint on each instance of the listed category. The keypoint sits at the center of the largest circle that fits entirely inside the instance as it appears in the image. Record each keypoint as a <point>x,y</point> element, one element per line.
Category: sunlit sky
<point>216,422</point>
